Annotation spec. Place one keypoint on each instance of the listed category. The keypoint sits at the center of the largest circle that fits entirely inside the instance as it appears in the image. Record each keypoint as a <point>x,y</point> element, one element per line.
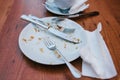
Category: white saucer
<point>32,46</point>
<point>54,9</point>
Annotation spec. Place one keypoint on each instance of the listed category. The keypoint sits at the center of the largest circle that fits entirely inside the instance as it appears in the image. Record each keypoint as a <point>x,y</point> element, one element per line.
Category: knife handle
<point>89,14</point>
<point>25,17</point>
<point>83,15</point>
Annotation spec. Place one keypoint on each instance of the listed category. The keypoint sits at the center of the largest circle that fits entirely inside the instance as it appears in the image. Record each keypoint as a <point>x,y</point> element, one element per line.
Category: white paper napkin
<point>79,5</point>
<point>97,61</point>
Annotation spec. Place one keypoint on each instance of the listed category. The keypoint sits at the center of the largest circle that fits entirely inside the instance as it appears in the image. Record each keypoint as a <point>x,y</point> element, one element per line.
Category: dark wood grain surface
<point>15,66</point>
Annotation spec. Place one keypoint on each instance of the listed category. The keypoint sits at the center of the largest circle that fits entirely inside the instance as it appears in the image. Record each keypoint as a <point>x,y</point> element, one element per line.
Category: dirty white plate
<point>32,46</point>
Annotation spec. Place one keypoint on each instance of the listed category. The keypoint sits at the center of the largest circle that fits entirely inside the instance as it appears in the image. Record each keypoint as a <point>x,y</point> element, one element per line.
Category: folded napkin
<point>79,5</point>
<point>97,61</point>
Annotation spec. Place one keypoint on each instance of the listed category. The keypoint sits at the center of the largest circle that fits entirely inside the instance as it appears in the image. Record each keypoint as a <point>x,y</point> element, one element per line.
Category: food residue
<point>65,45</point>
<point>60,28</point>
<point>41,50</point>
<point>39,38</point>
<point>25,40</point>
<point>57,54</point>
<point>48,24</point>
<point>76,39</point>
<point>36,30</point>
<point>31,38</point>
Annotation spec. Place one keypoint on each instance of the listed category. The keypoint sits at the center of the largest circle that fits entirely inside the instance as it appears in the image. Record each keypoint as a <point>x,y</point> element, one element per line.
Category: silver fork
<point>51,45</point>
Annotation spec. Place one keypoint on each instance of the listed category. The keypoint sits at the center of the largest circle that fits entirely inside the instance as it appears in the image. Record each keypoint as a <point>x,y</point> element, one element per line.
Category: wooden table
<point>15,66</point>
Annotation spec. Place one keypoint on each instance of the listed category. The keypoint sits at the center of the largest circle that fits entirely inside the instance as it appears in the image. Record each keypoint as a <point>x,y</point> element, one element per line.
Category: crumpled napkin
<point>97,61</point>
<point>79,5</point>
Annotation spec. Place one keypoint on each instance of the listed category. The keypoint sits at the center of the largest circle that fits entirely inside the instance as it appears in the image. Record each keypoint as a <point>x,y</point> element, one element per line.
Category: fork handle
<point>75,72</point>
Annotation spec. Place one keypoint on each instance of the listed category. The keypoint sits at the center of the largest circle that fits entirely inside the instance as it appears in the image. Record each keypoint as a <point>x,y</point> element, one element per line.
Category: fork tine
<point>48,42</point>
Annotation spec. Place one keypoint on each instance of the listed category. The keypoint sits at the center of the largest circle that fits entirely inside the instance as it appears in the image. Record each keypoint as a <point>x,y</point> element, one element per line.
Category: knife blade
<point>55,24</point>
<point>52,30</point>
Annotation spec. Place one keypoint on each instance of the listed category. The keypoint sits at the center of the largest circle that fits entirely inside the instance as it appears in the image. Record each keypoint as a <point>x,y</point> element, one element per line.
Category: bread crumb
<point>48,24</point>
<point>65,45</point>
<point>76,39</point>
<point>25,40</point>
<point>39,38</point>
<point>36,30</point>
<point>31,38</point>
<point>57,54</point>
<point>41,50</point>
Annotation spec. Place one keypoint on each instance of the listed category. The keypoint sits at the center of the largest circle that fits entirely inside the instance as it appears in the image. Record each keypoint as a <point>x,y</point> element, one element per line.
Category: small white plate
<point>54,9</point>
<point>32,46</point>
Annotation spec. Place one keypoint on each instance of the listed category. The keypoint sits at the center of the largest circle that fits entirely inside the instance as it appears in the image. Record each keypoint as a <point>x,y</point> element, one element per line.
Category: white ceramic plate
<point>32,46</point>
<point>54,9</point>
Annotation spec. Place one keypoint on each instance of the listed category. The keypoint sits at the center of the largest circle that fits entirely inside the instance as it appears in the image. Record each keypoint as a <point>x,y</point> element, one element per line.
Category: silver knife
<point>55,23</point>
<point>81,15</point>
<point>52,30</point>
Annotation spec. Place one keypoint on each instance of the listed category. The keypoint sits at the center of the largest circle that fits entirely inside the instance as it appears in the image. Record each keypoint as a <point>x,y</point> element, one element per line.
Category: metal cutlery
<point>51,45</point>
<point>81,15</point>
<point>52,30</point>
<point>55,24</point>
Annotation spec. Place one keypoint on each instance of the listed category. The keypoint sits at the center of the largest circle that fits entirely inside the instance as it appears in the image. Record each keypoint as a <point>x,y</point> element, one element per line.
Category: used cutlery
<point>51,45</point>
<point>55,24</point>
<point>81,15</point>
<point>52,30</point>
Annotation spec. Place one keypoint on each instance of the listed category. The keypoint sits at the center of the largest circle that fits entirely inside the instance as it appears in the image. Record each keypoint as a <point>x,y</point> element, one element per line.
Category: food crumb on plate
<point>65,45</point>
<point>36,30</point>
<point>42,50</point>
<point>25,40</point>
<point>31,38</point>
<point>57,54</point>
<point>39,38</point>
